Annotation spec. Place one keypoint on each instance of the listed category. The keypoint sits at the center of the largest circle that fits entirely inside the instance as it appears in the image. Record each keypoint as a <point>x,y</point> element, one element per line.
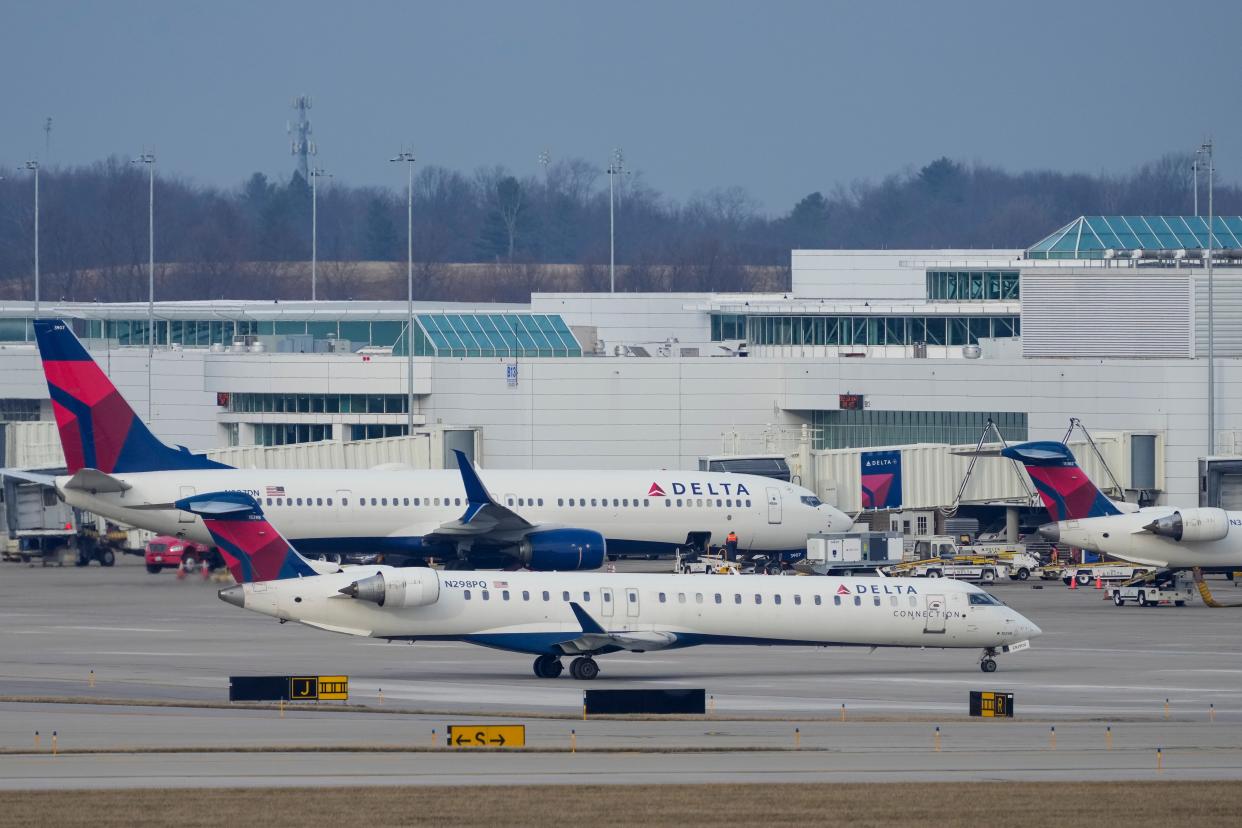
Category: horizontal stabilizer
<point>29,477</point>
<point>96,482</point>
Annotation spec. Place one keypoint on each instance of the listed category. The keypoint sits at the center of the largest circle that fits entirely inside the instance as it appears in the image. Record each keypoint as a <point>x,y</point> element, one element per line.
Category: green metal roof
<point>1088,237</point>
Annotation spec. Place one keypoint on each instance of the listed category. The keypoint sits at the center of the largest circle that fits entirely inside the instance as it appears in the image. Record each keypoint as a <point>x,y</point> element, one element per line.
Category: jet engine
<point>397,590</point>
<point>562,550</point>
<point>1207,524</point>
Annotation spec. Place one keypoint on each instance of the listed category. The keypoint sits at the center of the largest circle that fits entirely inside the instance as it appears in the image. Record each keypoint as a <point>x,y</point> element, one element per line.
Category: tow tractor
<point>1086,573</point>
<point>966,570</point>
<point>1154,589</point>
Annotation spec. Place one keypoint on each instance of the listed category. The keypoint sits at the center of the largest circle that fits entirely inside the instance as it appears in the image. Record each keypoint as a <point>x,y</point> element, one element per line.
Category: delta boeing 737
<point>543,520</point>
<point>583,615</point>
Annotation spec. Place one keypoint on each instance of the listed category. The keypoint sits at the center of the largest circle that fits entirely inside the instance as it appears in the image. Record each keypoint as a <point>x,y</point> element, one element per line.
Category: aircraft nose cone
<point>1050,532</point>
<point>234,595</point>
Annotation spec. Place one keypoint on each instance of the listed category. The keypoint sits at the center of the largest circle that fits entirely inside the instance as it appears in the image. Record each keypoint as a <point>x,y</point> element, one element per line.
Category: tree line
<point>494,235</point>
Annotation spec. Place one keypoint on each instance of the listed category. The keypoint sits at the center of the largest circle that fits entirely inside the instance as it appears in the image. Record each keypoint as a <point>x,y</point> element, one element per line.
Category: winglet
<point>476,492</point>
<point>589,624</point>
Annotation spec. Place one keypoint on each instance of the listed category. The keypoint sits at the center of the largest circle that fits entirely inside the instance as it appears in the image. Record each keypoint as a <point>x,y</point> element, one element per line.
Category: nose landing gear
<point>988,663</point>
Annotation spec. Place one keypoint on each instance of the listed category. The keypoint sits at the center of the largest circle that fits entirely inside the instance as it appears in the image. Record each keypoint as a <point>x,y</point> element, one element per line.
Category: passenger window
<point>466,594</point>
<point>565,595</point>
<point>607,597</point>
<point>510,502</point>
<point>526,595</point>
<point>667,503</point>
<point>329,501</point>
<point>836,599</point>
<point>625,502</point>
<point>487,596</point>
<point>679,502</point>
<point>344,501</point>
<point>319,501</point>
<point>405,501</point>
<point>700,503</point>
<point>560,501</point>
<point>914,602</point>
<point>893,601</point>
<point>299,501</point>
<point>798,600</point>
<point>374,501</point>
<point>819,599</point>
<point>505,594</point>
<point>877,600</point>
<point>681,597</point>
<point>729,502</point>
<point>857,601</point>
<point>586,596</point>
<point>719,503</point>
<point>269,501</point>
<point>541,501</point>
<point>698,597</point>
<point>718,598</point>
<point>437,501</point>
<point>383,501</point>
<point>592,501</point>
<point>547,596</point>
<point>457,501</point>
<point>614,501</point>
<point>633,597</point>
<point>776,599</point>
<point>646,502</point>
<point>521,501</point>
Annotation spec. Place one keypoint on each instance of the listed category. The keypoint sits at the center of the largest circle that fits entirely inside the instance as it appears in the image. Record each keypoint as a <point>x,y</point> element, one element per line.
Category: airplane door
<point>606,600</point>
<point>935,614</point>
<point>631,603</point>
<point>186,517</point>
<point>774,505</point>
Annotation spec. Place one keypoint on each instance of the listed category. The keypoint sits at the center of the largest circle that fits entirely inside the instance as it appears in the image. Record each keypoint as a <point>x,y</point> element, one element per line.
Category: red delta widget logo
<point>716,489</point>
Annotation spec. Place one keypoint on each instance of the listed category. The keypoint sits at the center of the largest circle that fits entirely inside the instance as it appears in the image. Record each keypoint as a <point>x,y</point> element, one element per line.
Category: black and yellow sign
<point>486,735</point>
<point>318,688</point>
<point>991,705</point>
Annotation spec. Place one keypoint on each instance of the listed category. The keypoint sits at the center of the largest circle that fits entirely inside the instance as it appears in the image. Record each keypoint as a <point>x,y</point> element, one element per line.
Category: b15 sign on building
<point>881,479</point>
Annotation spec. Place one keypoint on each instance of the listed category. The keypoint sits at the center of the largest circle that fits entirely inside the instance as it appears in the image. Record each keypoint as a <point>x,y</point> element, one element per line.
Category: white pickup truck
<point>1177,592</point>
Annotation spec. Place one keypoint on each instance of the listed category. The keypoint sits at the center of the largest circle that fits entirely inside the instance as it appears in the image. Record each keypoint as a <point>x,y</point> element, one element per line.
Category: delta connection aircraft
<point>1162,536</point>
<point>544,520</point>
<point>583,615</point>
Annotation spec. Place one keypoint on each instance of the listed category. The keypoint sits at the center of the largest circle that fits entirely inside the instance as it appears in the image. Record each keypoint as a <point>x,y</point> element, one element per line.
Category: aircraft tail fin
<point>1067,492</point>
<point>252,548</point>
<point>98,429</point>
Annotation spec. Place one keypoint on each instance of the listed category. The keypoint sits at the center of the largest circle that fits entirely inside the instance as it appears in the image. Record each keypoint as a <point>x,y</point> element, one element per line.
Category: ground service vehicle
<point>168,552</point>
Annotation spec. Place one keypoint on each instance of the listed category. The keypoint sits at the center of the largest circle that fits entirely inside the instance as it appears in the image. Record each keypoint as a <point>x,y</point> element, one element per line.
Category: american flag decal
<point>500,584</point>
<point>275,491</point>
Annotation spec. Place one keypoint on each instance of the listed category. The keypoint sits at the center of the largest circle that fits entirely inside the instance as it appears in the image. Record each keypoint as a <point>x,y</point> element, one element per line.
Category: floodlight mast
<point>1207,151</point>
<point>617,167</point>
<point>315,174</point>
<point>407,157</point>
<point>33,166</point>
<point>148,158</point>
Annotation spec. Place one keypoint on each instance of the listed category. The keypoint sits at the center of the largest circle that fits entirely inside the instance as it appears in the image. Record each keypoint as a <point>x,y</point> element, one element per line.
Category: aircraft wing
<point>595,639</point>
<point>484,515</point>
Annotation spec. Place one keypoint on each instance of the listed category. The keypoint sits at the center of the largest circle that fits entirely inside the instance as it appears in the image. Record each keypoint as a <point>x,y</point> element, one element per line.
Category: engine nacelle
<point>413,587</point>
<point>1207,524</point>
<point>562,550</point>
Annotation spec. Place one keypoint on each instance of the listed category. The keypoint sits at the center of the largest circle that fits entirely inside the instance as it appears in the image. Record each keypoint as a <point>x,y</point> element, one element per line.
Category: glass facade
<point>499,335</point>
<point>19,411</point>
<point>862,429</point>
<point>728,326</point>
<point>1089,237</point>
<point>319,403</point>
<point>283,434</point>
<point>879,330</point>
<point>972,285</point>
<point>374,431</point>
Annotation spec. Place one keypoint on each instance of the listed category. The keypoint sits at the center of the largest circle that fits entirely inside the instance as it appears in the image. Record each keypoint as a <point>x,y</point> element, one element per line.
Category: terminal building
<point>1106,320</point>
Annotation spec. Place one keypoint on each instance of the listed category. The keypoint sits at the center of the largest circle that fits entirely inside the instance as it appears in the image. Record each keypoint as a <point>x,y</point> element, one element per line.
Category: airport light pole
<point>34,167</point>
<point>148,158</point>
<point>617,167</point>
<point>1206,149</point>
<point>407,157</point>
<point>315,174</point>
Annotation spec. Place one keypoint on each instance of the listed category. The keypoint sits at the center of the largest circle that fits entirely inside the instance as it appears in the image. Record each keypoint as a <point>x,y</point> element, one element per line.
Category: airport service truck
<point>1088,573</point>
<point>853,553</point>
<point>43,527</point>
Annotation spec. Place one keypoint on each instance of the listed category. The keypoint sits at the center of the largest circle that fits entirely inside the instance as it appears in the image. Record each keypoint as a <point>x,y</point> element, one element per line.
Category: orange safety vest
<point>731,539</point>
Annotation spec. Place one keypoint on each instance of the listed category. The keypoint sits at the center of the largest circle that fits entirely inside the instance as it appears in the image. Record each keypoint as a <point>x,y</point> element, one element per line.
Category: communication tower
<point>301,145</point>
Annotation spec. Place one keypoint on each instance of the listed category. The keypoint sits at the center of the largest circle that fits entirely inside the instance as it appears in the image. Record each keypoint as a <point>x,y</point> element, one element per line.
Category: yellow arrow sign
<point>487,736</point>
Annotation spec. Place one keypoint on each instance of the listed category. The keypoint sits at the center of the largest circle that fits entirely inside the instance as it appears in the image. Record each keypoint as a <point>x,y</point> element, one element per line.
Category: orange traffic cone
<point>1073,582</point>
<point>181,572</point>
<point>1099,582</point>
<point>204,570</point>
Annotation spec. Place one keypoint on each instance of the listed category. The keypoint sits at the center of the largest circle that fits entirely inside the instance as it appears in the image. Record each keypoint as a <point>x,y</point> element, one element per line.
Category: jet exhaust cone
<point>234,595</point>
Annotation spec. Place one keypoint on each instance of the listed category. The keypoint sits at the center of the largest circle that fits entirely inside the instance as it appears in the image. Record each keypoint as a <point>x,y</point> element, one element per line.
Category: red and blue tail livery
<point>1067,492</point>
<point>98,429</point>
<point>252,548</point>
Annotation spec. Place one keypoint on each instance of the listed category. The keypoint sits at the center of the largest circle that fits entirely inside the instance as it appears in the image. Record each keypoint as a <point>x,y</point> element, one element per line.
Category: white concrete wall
<point>883,274</point>
<point>630,318</point>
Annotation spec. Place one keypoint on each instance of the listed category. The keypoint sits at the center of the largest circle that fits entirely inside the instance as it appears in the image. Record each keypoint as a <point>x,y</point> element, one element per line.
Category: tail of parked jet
<point>1067,492</point>
<point>250,546</point>
<point>98,429</point>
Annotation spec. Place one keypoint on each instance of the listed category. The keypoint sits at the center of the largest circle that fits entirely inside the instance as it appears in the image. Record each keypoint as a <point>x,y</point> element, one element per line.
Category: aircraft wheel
<point>547,666</point>
<point>988,665</point>
<point>584,668</point>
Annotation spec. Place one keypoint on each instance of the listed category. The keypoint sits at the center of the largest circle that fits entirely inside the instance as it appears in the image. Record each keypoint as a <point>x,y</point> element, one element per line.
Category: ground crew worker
<point>731,546</point>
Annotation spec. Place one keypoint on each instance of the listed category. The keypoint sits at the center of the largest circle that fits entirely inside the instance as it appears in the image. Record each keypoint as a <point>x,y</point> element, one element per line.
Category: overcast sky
<point>782,98</point>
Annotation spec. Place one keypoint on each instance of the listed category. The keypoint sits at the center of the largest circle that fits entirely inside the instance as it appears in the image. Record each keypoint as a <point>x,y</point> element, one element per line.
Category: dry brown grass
<point>944,805</point>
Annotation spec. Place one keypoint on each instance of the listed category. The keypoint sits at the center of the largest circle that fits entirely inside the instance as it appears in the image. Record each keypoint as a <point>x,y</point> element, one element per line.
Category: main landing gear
<point>582,668</point>
<point>988,664</point>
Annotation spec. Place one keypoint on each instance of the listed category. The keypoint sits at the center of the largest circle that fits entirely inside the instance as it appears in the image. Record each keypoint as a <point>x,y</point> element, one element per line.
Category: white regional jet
<point>584,615</point>
<point>1162,536</point>
<point>544,520</point>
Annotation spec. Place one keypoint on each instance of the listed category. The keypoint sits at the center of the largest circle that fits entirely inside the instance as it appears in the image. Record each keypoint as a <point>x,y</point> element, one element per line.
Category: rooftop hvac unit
<point>972,351</point>
<point>920,350</point>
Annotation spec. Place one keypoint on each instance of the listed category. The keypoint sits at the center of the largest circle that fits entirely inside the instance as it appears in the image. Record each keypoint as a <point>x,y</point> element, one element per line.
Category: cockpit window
<point>983,599</point>
<point>812,500</point>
